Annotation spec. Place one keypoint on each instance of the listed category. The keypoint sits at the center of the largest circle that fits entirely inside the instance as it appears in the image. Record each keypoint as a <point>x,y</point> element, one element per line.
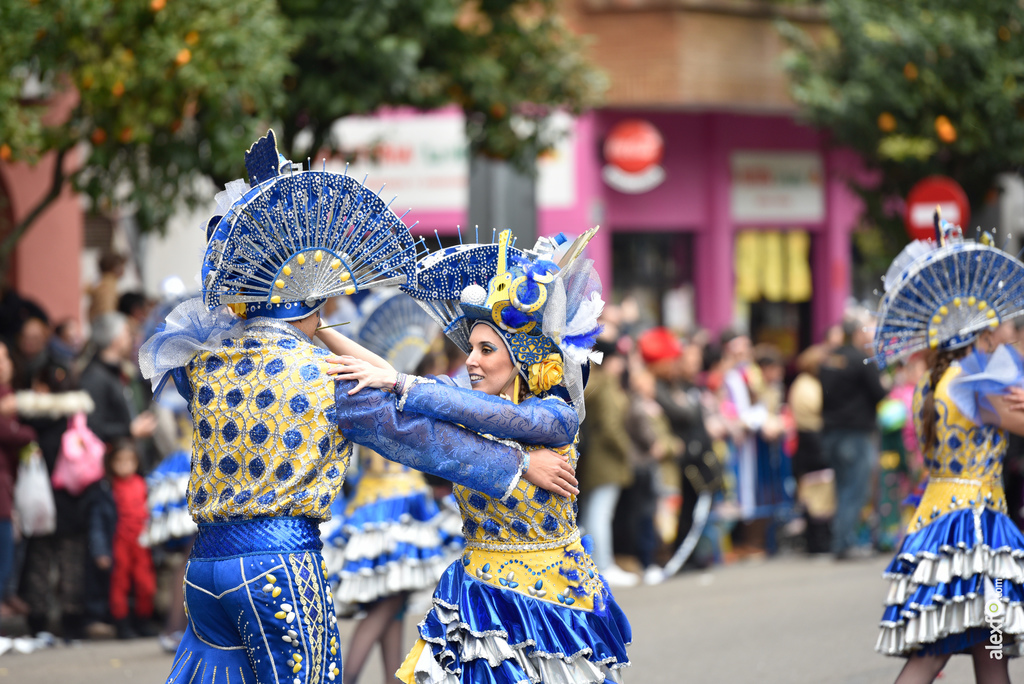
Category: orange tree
<point>918,87</point>
<point>162,91</point>
<point>167,91</point>
<point>506,63</point>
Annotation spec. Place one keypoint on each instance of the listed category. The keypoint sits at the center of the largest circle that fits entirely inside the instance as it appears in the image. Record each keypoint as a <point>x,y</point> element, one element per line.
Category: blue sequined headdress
<point>545,311</point>
<point>396,328</point>
<point>941,295</point>
<point>296,238</point>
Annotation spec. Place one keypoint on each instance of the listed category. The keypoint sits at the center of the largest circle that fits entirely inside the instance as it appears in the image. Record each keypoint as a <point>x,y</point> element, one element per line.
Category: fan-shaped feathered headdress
<point>296,238</point>
<point>397,328</point>
<point>940,295</point>
<point>546,312</point>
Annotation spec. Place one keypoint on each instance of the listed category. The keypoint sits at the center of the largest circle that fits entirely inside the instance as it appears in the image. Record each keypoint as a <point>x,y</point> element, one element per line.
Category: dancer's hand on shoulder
<point>365,374</point>
<point>1015,398</point>
<point>551,471</point>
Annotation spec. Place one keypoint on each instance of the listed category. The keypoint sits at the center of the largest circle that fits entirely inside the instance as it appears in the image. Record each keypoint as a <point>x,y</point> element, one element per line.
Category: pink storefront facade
<point>695,201</point>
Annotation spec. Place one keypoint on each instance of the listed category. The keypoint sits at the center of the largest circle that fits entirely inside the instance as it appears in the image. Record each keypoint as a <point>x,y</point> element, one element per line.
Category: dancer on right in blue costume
<point>388,543</point>
<point>956,582</point>
<point>525,603</point>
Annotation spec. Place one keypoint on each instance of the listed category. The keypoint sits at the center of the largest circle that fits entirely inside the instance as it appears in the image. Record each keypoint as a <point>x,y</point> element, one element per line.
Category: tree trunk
<point>10,241</point>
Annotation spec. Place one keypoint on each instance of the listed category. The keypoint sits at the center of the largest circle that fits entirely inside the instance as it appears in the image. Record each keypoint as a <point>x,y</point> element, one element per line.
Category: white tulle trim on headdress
<point>571,321</point>
<point>191,328</point>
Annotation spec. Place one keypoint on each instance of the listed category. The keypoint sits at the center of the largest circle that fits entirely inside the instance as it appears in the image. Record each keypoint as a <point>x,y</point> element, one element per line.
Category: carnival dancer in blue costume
<point>267,458</point>
<point>525,603</point>
<point>956,582</point>
<point>389,542</point>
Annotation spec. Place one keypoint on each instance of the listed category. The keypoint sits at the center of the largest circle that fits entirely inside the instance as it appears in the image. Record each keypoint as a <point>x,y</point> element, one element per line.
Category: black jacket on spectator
<point>112,418</point>
<point>851,389</point>
<point>101,516</point>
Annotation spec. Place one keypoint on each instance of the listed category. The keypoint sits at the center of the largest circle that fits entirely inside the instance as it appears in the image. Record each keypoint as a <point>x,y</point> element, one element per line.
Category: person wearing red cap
<point>676,370</point>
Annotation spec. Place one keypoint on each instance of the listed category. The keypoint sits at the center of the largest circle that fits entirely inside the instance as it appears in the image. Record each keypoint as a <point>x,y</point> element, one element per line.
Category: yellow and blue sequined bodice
<point>965,462</point>
<point>265,440</point>
<point>530,518</point>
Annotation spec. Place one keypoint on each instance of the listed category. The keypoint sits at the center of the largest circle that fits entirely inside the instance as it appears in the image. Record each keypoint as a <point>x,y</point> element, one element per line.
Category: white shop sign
<point>777,186</point>
<point>423,160</point>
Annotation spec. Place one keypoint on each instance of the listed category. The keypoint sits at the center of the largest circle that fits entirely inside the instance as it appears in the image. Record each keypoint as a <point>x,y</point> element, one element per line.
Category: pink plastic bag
<point>80,461</point>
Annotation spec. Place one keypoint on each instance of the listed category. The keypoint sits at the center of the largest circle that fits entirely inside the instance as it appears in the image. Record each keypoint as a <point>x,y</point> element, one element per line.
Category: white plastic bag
<point>33,497</point>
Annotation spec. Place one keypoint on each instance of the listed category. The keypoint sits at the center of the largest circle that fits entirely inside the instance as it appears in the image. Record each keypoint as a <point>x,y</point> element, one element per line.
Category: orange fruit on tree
<point>886,122</point>
<point>5,152</point>
<point>98,137</point>
<point>183,57</point>
<point>118,89</point>
<point>910,71</point>
<point>125,135</point>
<point>944,129</point>
<point>157,5</point>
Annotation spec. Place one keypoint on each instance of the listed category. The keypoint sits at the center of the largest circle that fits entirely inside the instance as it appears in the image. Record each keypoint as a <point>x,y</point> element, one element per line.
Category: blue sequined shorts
<point>259,607</point>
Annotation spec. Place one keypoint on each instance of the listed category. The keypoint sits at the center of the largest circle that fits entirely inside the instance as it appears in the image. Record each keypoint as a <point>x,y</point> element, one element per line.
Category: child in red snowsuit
<point>132,564</point>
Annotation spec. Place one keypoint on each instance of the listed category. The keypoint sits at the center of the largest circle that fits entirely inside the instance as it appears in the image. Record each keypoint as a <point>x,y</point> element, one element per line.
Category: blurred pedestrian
<point>851,389</point>
<point>604,468</point>
<point>131,565</point>
<point>106,383</point>
<point>653,443</point>
<point>53,575</point>
<point>103,295</point>
<point>14,436</point>
<point>30,352</point>
<point>815,479</point>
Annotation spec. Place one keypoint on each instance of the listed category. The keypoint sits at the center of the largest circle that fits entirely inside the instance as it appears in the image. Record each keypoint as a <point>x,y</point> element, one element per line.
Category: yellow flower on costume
<point>546,373</point>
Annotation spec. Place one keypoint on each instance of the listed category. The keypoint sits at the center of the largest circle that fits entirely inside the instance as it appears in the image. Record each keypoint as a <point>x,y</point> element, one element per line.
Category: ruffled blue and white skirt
<point>953,584</point>
<point>385,547</point>
<point>169,519</point>
<point>485,634</point>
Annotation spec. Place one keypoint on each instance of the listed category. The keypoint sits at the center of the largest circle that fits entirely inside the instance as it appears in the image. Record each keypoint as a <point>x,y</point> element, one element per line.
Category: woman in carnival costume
<point>267,458</point>
<point>525,602</point>
<point>955,583</point>
<point>388,543</point>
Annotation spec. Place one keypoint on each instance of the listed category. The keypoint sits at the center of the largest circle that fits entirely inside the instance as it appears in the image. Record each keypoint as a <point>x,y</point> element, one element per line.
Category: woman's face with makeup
<point>489,364</point>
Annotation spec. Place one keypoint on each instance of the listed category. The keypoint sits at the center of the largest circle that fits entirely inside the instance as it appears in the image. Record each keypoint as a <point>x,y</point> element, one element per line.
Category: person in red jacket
<point>131,565</point>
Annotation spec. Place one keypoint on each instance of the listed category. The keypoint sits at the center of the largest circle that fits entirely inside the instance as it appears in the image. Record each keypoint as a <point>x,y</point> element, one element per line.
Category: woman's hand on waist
<point>550,470</point>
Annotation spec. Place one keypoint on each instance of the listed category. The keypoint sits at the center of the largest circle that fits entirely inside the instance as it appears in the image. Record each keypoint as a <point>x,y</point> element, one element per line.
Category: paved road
<point>784,621</point>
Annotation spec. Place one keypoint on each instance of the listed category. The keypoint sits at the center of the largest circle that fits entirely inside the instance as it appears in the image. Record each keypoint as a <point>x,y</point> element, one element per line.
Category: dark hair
<point>130,302</point>
<point>938,363</point>
<point>111,261</point>
<point>712,355</point>
<point>727,336</point>
<point>119,444</point>
<point>55,376</point>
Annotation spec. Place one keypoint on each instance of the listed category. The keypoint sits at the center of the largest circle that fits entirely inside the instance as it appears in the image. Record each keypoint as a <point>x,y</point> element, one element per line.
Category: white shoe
<point>24,645</point>
<point>617,577</point>
<point>653,575</point>
<point>5,644</point>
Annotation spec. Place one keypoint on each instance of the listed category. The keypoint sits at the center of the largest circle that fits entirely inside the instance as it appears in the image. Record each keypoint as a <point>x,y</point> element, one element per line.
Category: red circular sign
<point>633,145</point>
<point>933,191</point>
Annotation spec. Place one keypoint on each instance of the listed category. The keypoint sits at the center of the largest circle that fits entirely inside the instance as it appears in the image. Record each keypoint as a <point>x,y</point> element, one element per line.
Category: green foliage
<point>162,92</point>
<point>164,89</point>
<point>507,63</point>
<point>885,76</point>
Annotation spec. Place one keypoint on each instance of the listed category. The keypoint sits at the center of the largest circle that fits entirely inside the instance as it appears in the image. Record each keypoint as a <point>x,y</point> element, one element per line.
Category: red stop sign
<point>934,191</point>
<point>633,145</point>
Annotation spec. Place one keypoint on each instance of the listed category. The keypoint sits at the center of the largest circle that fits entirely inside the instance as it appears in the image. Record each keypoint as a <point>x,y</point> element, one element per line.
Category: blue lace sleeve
<point>550,422</point>
<point>370,418</point>
<point>982,375</point>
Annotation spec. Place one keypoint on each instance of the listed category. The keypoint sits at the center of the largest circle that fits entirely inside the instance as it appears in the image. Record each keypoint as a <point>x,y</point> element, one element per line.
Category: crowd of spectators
<point>59,394</point>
